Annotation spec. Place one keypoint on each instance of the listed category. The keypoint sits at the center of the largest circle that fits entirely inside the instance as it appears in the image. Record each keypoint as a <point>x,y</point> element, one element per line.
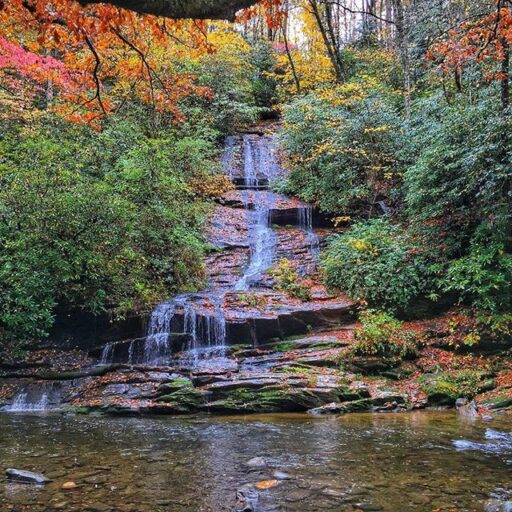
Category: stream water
<point>422,461</point>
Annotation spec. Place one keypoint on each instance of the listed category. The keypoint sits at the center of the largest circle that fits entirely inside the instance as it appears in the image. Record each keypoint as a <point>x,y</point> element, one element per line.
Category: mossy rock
<point>269,399</point>
<point>368,365</point>
<point>445,388</point>
<point>174,385</point>
<point>502,401</point>
<point>185,399</point>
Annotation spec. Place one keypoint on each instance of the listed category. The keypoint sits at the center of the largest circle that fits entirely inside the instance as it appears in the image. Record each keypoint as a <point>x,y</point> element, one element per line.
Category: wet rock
<point>368,507</point>
<point>298,495</point>
<point>467,408</point>
<point>223,387</point>
<point>185,399</point>
<point>496,505</point>
<point>97,507</point>
<point>280,475</point>
<point>246,499</point>
<point>174,385</point>
<point>28,477</point>
<point>257,463</point>
<point>332,408</point>
<point>371,365</point>
<point>499,402</point>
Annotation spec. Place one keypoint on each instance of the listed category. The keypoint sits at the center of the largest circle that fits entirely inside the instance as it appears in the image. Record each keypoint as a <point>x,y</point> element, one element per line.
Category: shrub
<point>382,335</point>
<point>288,281</point>
<point>342,151</point>
<point>104,221</point>
<point>376,262</point>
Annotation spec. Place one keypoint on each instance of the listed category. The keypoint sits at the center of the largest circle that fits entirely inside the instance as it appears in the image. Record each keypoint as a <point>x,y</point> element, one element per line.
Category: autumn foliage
<point>485,41</point>
<point>96,57</point>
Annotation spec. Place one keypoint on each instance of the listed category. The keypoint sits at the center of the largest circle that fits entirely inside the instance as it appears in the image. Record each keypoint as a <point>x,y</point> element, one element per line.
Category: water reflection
<point>406,462</point>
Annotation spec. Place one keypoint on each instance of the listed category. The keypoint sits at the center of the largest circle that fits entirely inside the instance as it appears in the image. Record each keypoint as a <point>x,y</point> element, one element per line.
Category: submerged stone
<point>28,477</point>
<point>332,408</point>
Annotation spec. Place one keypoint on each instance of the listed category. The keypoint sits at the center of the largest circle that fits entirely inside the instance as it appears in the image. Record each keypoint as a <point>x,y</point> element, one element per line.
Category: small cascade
<point>21,403</point>
<point>157,349</point>
<point>263,243</point>
<point>35,397</point>
<point>107,354</point>
<point>207,333</point>
<point>259,165</point>
<point>251,160</point>
<point>305,222</point>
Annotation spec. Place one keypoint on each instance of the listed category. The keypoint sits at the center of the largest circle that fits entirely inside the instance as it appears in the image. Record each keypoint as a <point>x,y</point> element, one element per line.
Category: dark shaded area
<point>199,9</point>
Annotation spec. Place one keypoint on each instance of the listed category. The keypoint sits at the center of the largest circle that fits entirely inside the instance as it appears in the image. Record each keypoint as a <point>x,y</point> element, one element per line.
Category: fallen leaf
<point>266,484</point>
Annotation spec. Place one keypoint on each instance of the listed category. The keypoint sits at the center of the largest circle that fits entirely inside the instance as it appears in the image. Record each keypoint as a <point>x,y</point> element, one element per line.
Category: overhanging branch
<point>180,9</point>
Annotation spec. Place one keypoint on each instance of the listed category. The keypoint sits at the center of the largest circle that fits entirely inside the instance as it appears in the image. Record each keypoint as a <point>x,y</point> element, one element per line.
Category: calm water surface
<point>424,461</point>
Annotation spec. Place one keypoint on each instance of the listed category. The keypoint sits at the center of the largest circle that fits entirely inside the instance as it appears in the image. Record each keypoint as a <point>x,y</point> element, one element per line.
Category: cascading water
<point>35,397</point>
<point>305,222</point>
<point>260,165</point>
<point>21,403</point>
<point>157,349</point>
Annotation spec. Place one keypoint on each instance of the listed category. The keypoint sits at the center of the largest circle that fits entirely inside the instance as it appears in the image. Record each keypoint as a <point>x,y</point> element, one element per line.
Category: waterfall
<point>250,164</point>
<point>259,165</point>
<point>263,241</point>
<point>207,333</point>
<point>157,349</point>
<point>21,403</point>
<point>107,354</point>
<point>201,317</point>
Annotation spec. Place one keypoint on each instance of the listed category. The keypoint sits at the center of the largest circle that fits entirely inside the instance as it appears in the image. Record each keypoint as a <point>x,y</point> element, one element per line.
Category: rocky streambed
<point>423,461</point>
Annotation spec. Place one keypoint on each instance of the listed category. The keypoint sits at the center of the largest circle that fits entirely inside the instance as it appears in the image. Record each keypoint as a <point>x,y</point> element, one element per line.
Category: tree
<point>484,41</point>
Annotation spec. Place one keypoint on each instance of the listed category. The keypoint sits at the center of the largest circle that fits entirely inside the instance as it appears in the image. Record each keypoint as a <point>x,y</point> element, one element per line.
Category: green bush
<point>377,262</point>
<point>383,335</point>
<point>106,221</point>
<point>288,281</point>
<point>342,156</point>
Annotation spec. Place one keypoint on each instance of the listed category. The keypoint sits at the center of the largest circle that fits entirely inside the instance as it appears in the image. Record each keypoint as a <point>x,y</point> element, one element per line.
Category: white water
<point>305,222</point>
<point>157,348</point>
<point>21,403</point>
<point>35,397</point>
<point>259,161</point>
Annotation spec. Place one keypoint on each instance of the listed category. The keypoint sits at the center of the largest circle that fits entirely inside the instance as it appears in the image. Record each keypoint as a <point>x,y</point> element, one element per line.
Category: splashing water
<point>157,349</point>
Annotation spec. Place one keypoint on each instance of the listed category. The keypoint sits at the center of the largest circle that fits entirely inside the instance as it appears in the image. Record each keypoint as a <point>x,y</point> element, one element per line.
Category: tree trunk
<point>505,80</point>
<point>335,59</point>
<point>403,49</point>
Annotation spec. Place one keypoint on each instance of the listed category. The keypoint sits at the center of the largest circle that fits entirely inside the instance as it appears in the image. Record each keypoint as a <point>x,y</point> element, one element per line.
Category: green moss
<point>187,398</point>
<point>445,388</point>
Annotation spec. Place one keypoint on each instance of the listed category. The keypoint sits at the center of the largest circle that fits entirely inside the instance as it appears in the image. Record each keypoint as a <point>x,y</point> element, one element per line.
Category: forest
<point>258,207</point>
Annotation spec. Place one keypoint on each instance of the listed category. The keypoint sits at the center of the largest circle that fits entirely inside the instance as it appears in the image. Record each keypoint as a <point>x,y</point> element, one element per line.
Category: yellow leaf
<point>266,484</point>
